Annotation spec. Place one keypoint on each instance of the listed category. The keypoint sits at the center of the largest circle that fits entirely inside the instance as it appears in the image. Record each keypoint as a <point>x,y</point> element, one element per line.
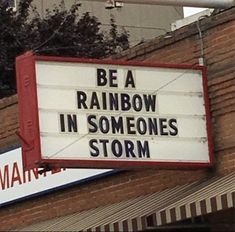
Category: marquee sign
<point>93,113</point>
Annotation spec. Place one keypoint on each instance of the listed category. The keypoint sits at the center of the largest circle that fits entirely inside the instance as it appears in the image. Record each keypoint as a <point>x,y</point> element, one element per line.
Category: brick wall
<point>8,123</point>
<point>182,47</point>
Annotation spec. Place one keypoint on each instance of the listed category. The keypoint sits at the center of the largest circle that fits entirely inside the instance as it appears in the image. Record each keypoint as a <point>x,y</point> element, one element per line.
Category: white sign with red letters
<point>16,184</point>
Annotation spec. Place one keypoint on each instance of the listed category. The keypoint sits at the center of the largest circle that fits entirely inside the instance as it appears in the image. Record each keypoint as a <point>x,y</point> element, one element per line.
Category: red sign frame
<point>29,118</point>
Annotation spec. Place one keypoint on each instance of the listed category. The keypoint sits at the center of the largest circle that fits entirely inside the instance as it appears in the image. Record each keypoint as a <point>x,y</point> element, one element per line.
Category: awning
<point>160,208</point>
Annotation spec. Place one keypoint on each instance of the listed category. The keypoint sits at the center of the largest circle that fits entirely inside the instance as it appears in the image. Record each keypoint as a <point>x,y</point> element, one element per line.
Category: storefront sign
<point>94,113</point>
<point>16,184</point>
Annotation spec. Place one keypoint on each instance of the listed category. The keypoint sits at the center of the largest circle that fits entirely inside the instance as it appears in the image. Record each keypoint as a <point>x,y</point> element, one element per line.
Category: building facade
<point>153,199</point>
<point>143,22</point>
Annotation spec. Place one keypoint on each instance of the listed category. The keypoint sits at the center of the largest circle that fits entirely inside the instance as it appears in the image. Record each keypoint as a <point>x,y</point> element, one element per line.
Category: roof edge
<point>174,36</point>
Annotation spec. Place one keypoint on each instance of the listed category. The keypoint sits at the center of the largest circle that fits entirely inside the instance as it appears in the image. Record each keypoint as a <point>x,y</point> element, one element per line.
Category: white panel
<point>72,75</point>
<point>168,216</point>
<point>159,219</point>
<point>183,105</point>
<point>218,202</point>
<point>198,209</point>
<point>64,74</point>
<point>177,151</point>
<point>188,211</point>
<point>67,147</point>
<point>230,200</point>
<point>208,205</point>
<point>49,122</point>
<point>169,80</point>
<point>58,99</point>
<point>178,94</point>
<point>66,99</point>
<point>178,213</point>
<point>192,127</point>
<point>111,227</point>
<point>53,74</point>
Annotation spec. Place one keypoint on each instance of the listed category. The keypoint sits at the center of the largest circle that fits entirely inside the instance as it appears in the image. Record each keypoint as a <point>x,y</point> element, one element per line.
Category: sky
<point>192,10</point>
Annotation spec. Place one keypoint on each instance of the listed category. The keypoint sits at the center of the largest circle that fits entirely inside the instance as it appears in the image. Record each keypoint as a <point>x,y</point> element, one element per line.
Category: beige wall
<point>144,22</point>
